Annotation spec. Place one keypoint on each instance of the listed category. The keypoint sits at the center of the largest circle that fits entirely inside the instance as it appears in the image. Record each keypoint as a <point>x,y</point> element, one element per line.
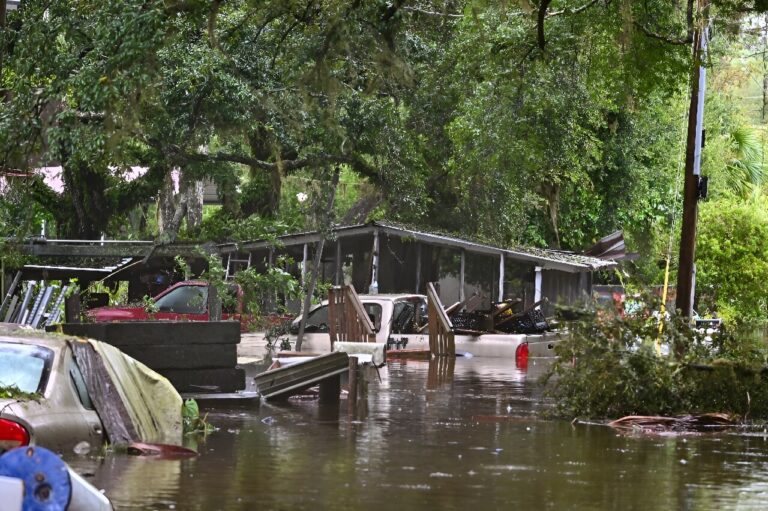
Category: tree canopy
<point>547,123</point>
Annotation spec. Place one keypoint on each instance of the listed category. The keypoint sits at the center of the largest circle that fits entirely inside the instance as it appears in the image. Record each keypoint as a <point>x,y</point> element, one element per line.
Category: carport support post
<point>537,285</point>
<point>461,275</point>
<point>304,264</point>
<point>501,277</point>
<point>418,267</point>
<point>338,280</point>
<point>374,287</point>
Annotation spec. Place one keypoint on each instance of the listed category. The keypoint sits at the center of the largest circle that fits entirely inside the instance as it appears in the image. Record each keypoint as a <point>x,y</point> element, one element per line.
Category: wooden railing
<point>347,319</point>
<point>441,338</point>
<point>440,372</point>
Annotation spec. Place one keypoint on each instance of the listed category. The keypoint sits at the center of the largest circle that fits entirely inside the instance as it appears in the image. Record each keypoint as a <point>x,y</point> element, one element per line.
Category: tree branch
<point>286,165</point>
<point>577,10</point>
<point>213,41</point>
<point>432,13</point>
<point>645,30</point>
<point>542,14</point>
<point>391,10</point>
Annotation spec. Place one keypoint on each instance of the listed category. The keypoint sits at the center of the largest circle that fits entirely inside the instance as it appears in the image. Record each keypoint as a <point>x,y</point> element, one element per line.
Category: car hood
<point>117,313</point>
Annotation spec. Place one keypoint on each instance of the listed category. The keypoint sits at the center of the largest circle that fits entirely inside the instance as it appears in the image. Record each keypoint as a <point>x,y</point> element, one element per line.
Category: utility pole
<point>686,268</point>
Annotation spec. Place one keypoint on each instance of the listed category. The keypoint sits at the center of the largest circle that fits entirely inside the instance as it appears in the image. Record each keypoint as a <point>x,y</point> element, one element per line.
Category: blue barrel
<point>47,486</point>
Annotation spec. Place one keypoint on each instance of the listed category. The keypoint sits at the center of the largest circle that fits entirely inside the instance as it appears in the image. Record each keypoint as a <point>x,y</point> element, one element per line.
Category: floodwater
<point>474,436</point>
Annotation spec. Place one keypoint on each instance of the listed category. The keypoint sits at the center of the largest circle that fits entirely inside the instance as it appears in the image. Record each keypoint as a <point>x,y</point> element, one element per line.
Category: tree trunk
<point>551,193</point>
<point>194,190</point>
<point>86,212</point>
<point>166,203</point>
<point>316,260</point>
<point>262,196</point>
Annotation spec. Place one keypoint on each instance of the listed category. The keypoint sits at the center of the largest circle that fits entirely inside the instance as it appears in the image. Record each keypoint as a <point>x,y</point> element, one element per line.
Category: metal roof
<point>546,258</point>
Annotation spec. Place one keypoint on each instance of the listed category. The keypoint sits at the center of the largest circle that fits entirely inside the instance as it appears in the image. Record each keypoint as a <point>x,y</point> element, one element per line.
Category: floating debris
<point>651,424</point>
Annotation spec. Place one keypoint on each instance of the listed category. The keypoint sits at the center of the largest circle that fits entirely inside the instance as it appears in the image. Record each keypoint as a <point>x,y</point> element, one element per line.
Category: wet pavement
<point>470,435</point>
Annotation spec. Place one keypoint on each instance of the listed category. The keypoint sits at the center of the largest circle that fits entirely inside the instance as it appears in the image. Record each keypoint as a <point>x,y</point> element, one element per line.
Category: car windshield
<point>409,316</point>
<point>184,300</point>
<point>317,321</point>
<point>24,367</point>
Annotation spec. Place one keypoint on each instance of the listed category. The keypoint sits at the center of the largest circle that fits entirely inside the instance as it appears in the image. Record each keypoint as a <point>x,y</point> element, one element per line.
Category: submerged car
<point>44,399</point>
<point>183,301</point>
<point>48,399</point>
<point>400,323</point>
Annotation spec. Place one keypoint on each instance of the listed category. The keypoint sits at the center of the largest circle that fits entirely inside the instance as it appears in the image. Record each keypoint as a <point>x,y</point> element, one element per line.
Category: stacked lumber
<point>195,356</point>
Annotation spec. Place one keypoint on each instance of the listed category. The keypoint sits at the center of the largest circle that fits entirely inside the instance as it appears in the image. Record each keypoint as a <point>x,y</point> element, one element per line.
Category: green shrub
<point>611,366</point>
<point>732,260</point>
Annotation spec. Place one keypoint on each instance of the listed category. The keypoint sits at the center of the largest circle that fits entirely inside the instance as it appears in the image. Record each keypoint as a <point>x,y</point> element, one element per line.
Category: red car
<point>184,301</point>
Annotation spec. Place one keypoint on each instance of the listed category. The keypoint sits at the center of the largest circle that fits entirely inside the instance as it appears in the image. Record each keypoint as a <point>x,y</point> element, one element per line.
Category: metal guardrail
<point>286,381</point>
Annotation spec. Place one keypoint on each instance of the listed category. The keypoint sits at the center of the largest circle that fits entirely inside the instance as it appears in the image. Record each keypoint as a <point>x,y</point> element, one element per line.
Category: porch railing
<point>348,320</point>
<point>441,337</point>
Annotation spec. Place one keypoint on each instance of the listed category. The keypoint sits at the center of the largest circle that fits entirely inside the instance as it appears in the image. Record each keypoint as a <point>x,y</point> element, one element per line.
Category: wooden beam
<point>112,411</point>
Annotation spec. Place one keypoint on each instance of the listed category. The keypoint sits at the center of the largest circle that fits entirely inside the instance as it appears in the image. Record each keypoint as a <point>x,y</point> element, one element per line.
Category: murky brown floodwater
<point>473,442</point>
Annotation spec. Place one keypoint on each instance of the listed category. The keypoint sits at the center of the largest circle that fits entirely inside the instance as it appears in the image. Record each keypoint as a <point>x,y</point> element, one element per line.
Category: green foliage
<point>183,267</point>
<point>216,275</point>
<point>193,422</point>
<point>11,257</point>
<point>747,165</point>
<point>274,285</point>
<point>277,337</point>
<point>609,367</point>
<point>555,147</point>
<point>732,259</point>
<point>149,305</point>
<point>13,392</point>
<point>117,292</point>
<point>450,115</point>
<point>221,227</point>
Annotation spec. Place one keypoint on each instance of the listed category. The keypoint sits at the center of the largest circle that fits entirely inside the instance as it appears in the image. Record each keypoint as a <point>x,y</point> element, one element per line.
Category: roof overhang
<point>547,259</point>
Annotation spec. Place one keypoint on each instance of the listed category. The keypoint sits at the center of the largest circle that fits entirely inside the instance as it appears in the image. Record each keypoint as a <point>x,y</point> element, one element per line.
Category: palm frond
<point>746,168</point>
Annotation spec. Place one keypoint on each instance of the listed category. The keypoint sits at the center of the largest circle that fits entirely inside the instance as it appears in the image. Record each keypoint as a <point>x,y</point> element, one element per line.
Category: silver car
<point>43,397</point>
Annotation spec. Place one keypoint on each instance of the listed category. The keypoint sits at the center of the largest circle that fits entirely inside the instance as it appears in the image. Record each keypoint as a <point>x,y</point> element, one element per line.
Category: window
<point>408,316</point>
<point>185,300</point>
<point>79,383</point>
<point>317,321</point>
<point>25,366</point>
<point>374,312</point>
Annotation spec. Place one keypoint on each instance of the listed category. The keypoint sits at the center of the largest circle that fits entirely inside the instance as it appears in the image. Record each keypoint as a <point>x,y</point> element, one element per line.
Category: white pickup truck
<point>399,321</point>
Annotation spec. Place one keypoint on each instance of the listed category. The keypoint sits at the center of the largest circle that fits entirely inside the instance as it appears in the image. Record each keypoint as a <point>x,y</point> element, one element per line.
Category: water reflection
<point>449,435</point>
